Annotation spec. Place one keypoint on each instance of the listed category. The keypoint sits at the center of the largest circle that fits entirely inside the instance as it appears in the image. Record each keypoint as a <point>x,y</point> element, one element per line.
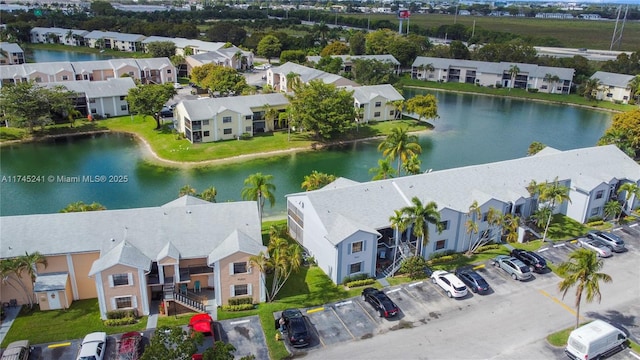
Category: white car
<point>93,346</point>
<point>177,86</point>
<point>596,246</point>
<point>449,283</point>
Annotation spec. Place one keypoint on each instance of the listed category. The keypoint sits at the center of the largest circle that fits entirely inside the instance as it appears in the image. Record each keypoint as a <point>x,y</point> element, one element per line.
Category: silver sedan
<point>595,245</point>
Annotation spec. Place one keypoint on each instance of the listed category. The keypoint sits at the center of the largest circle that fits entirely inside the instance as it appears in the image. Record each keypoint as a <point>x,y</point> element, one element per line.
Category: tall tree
<point>471,225</point>
<point>357,43</point>
<point>400,145</point>
<point>258,187</point>
<point>612,210</point>
<point>324,109</point>
<point>425,106</point>
<point>384,170</point>
<point>634,87</point>
<point>161,49</point>
<point>27,104</point>
<point>514,70</point>
<point>553,194</point>
<point>624,132</point>
<point>552,80</point>
<point>420,216</point>
<point>149,99</point>
<point>269,47</point>
<point>283,258</point>
<point>14,269</point>
<point>589,88</point>
<point>630,190</point>
<point>582,272</point>
<point>317,180</point>
<point>186,190</point>
<point>535,147</point>
<point>80,206</point>
<point>335,48</point>
<point>209,194</point>
<point>172,343</point>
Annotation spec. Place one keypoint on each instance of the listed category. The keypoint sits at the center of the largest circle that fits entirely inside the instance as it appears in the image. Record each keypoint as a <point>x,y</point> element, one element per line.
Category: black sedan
<point>473,280</point>
<point>536,262</point>
<point>296,328</point>
<point>380,301</point>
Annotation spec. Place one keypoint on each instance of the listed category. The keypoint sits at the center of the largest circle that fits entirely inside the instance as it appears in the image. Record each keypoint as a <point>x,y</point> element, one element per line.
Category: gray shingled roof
<point>195,230</point>
<point>97,34</point>
<point>98,89</point>
<point>51,282</point>
<point>123,253</point>
<point>10,48</point>
<point>62,32</point>
<point>613,79</point>
<point>364,94</point>
<point>237,241</point>
<point>372,203</point>
<point>169,250</point>
<point>307,74</point>
<point>182,43</point>
<point>203,109</point>
<point>186,200</point>
<point>384,58</point>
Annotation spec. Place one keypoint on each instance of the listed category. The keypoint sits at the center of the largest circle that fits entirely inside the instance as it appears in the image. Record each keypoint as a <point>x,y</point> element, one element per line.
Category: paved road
<point>506,325</point>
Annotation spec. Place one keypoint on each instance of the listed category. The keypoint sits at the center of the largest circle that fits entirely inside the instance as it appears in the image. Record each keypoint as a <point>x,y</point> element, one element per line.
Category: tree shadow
<point>617,319</point>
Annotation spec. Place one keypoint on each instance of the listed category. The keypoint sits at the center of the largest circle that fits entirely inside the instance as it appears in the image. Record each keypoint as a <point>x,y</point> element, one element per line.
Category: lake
<point>43,55</point>
<point>472,129</point>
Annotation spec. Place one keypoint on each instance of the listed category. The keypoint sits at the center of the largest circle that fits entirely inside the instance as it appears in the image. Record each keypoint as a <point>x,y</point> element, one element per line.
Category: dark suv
<point>536,262</point>
<point>473,280</point>
<point>296,328</point>
<point>380,301</point>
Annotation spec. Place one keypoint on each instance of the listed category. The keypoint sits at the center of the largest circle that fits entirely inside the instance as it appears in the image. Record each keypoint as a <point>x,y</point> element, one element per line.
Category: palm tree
<point>399,223</point>
<point>317,180</point>
<point>612,209</point>
<point>258,187</point>
<point>384,170</point>
<point>535,147</point>
<point>293,81</point>
<point>581,271</point>
<point>270,115</point>
<point>510,227</point>
<point>471,225</point>
<point>18,266</point>
<point>186,190</point>
<point>399,105</point>
<point>419,216</point>
<point>400,145</point>
<point>514,70</point>
<point>589,87</point>
<point>80,206</point>
<point>557,194</point>
<point>209,194</point>
<point>412,165</point>
<point>551,80</point>
<point>634,86</point>
<point>630,189</point>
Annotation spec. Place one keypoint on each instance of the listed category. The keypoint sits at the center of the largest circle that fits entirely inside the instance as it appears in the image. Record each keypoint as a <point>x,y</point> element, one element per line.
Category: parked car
<point>596,246</point>
<point>93,346</point>
<point>473,280</point>
<point>295,326</point>
<point>202,323</point>
<point>130,347</point>
<point>595,340</point>
<point>514,267</point>
<point>450,283</point>
<point>535,262</point>
<point>612,241</point>
<point>17,350</point>
<point>166,112</point>
<point>381,302</point>
<point>177,86</point>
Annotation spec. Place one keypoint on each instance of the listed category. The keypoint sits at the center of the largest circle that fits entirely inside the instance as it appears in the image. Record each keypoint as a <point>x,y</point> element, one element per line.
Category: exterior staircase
<point>188,300</point>
<point>404,252</point>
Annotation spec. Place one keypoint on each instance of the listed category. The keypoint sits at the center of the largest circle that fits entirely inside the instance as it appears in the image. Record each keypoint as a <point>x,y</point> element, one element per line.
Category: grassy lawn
<point>171,321</point>
<point>80,319</point>
<point>564,228</point>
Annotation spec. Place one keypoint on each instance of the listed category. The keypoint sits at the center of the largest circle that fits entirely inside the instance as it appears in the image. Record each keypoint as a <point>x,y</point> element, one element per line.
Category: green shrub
<point>121,314</point>
<point>444,259</point>
<point>120,321</point>
<point>245,136</point>
<point>356,283</point>
<point>488,247</point>
<point>595,223</point>
<point>241,307</point>
<point>241,301</point>
<point>438,254</point>
<point>356,277</point>
<point>594,219</point>
<point>414,267</point>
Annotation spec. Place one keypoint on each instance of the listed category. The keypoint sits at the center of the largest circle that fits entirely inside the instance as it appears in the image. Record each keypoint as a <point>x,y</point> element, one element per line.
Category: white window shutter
<point>113,303</point>
<point>134,302</point>
<point>350,246</point>
<point>231,269</point>
<point>110,280</point>
<point>130,278</point>
<point>232,290</point>
<point>249,289</point>
<point>249,267</point>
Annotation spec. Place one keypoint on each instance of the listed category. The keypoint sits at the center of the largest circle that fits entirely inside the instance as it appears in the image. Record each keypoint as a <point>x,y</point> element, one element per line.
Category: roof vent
<point>112,239</point>
<point>188,211</point>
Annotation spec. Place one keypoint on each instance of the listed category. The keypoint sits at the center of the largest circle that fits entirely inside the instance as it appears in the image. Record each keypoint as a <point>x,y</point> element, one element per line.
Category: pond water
<point>472,129</point>
<point>43,55</point>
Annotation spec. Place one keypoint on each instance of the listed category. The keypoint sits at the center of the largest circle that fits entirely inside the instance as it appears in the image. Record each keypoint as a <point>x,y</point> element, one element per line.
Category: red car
<point>202,323</point>
<point>130,346</point>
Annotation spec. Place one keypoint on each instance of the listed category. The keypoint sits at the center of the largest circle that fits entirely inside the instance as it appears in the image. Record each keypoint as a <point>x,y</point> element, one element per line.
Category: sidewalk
<point>11,314</point>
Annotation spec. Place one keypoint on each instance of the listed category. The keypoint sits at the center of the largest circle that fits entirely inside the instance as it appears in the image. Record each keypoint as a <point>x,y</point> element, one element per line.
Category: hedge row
<point>444,259</point>
<point>241,301</point>
<point>120,321</point>
<point>488,247</point>
<point>356,283</point>
<point>241,307</point>
<point>348,279</point>
<point>122,314</point>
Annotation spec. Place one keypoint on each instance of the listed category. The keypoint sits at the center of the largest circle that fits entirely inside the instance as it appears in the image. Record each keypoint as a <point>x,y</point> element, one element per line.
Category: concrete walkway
<point>11,314</point>
<point>152,320</point>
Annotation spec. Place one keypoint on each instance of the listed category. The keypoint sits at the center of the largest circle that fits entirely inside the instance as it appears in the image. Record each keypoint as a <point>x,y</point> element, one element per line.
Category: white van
<point>595,340</point>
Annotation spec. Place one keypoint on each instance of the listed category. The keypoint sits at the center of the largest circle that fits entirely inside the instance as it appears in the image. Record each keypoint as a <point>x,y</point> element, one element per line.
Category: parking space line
<point>343,303</point>
<point>239,322</point>
<point>633,225</point>
<point>392,291</point>
<point>53,346</point>
<point>343,324</point>
<point>439,290</point>
<point>478,267</point>
<point>559,245</point>
<point>415,284</point>
<point>557,301</point>
<point>543,250</point>
<point>634,355</point>
<point>311,311</point>
<point>366,312</point>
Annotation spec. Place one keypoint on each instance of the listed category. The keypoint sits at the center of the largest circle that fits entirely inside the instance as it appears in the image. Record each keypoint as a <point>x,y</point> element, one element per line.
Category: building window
<point>357,247</point>
<point>94,111</point>
<point>485,216</point>
<point>122,98</point>
<point>206,133</point>
<point>445,225</point>
<point>205,122</point>
<point>240,267</point>
<point>120,279</point>
<point>38,79</point>
<point>378,103</point>
<point>440,244</point>
<point>226,119</point>
<point>123,107</point>
<point>376,114</point>
<point>92,101</point>
<point>239,290</point>
<point>595,211</point>
<point>65,77</point>
<point>124,302</point>
<point>248,129</point>
<point>227,131</point>
<point>248,117</point>
<point>355,268</point>
<point>392,112</point>
<point>600,194</point>
<point>131,73</point>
